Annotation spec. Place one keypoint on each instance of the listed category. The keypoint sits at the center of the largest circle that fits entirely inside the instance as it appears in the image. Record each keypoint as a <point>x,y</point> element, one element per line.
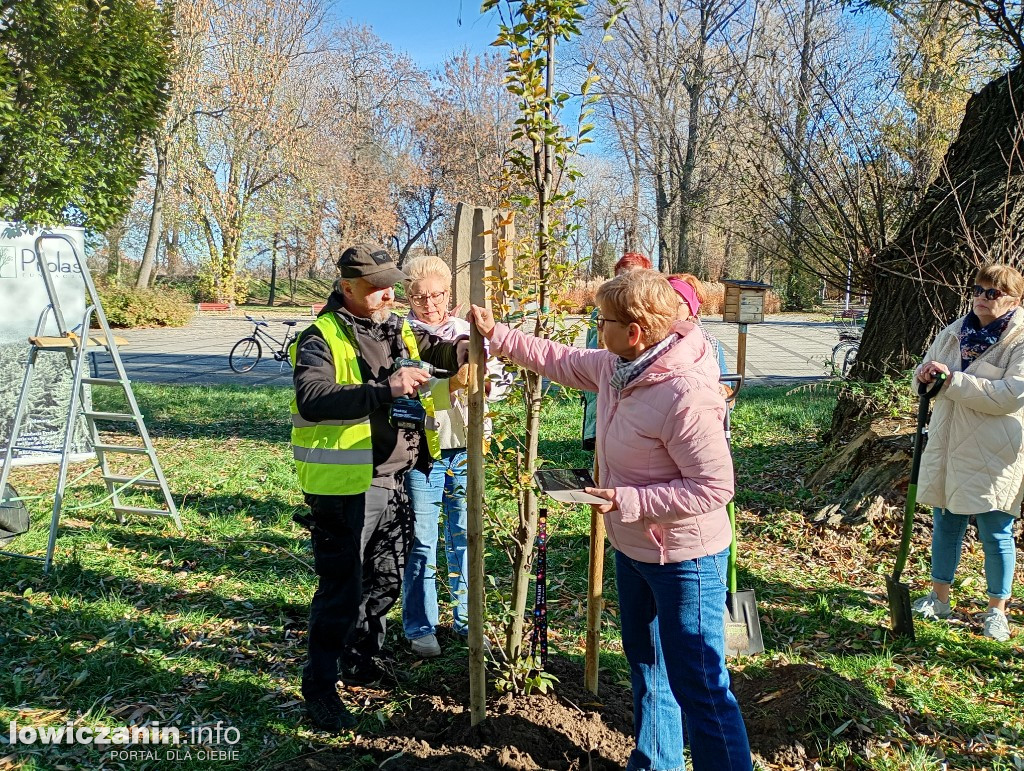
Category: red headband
<point>687,292</point>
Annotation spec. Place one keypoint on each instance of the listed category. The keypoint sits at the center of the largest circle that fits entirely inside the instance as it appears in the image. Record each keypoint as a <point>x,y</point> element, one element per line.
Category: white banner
<point>23,299</point>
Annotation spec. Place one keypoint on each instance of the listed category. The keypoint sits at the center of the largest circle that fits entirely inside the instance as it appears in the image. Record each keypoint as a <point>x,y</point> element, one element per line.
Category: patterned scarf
<point>628,371</point>
<point>710,338</point>
<point>976,339</point>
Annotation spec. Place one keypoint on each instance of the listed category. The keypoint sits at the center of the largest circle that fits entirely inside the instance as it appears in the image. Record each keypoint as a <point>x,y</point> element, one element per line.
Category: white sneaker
<point>995,625</point>
<point>426,647</point>
<point>931,606</point>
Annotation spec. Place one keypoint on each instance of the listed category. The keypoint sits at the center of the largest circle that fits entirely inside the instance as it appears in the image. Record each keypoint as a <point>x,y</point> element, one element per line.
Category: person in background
<point>442,490</point>
<point>629,261</point>
<point>666,476</point>
<point>693,295</point>
<point>973,464</point>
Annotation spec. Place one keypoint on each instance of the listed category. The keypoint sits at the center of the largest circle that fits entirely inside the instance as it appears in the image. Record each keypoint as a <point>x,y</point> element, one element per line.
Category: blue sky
<point>427,30</point>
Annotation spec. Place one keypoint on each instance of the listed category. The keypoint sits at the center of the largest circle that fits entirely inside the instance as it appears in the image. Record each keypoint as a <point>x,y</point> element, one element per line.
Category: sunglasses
<point>990,294</point>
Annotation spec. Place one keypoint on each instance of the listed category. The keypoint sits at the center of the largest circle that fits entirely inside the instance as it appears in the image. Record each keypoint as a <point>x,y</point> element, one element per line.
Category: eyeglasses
<point>990,294</point>
<point>435,298</point>
<point>601,321</point>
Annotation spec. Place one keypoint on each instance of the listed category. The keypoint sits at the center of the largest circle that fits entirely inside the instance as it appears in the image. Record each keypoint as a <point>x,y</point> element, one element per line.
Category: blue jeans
<point>442,491</point>
<point>673,634</point>
<point>996,531</point>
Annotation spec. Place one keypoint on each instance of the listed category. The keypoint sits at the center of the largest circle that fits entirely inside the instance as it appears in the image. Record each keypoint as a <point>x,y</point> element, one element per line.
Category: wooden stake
<point>741,351</point>
<point>481,219</point>
<point>595,594</point>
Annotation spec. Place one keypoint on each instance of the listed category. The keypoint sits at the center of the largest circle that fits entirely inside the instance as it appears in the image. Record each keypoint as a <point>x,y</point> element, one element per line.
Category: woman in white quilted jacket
<point>973,464</point>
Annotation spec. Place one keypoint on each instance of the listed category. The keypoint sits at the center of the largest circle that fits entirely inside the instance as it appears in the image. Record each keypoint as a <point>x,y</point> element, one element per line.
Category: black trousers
<point>360,544</point>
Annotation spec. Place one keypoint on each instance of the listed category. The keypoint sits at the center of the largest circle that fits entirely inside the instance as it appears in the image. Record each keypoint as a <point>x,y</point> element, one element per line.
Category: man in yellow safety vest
<point>353,440</point>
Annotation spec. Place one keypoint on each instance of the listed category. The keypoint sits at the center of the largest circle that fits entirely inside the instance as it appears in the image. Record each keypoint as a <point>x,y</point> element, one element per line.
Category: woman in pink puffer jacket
<point>667,476</point>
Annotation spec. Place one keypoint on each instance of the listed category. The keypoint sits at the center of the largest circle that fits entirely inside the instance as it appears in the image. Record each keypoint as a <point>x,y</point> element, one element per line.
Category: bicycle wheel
<point>839,356</point>
<point>849,359</point>
<point>245,354</point>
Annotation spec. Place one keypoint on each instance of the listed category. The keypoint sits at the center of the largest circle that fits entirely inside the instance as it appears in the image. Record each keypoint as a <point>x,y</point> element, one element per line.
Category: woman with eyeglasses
<point>442,492</point>
<point>973,464</point>
<point>666,475</point>
<point>629,261</point>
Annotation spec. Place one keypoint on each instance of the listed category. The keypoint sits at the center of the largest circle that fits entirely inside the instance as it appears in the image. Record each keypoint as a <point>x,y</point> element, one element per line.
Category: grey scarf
<point>628,371</point>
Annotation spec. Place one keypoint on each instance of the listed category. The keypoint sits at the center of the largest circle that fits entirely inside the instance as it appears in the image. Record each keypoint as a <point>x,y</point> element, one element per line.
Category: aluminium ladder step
<point>123,416</point>
<point>124,448</point>
<point>102,381</point>
<point>142,510</point>
<point>141,481</point>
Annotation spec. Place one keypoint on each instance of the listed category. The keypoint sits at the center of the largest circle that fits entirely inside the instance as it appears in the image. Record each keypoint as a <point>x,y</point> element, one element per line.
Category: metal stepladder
<point>75,347</point>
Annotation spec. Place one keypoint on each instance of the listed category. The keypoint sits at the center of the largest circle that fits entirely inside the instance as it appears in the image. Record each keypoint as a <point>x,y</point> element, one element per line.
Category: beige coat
<point>974,459</point>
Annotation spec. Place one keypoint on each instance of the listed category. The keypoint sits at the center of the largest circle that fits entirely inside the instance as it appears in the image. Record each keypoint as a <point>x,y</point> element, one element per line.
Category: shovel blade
<point>900,611</point>
<point>742,624</point>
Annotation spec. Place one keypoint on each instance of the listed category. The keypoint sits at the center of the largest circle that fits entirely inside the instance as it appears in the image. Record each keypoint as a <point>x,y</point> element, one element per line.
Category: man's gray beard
<point>380,315</point>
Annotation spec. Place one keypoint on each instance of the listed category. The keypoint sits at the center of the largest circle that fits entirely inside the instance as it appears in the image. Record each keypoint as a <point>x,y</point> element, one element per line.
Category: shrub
<point>128,307</point>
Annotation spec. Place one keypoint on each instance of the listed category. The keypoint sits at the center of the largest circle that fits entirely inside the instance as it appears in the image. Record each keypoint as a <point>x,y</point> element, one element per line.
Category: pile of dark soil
<point>790,710</point>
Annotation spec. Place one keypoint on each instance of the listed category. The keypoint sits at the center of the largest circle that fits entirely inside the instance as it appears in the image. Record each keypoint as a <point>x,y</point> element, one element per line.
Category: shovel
<point>899,593</point>
<point>742,624</point>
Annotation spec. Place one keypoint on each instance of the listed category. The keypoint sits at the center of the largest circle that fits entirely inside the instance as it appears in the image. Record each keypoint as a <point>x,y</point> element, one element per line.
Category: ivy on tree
<point>81,87</point>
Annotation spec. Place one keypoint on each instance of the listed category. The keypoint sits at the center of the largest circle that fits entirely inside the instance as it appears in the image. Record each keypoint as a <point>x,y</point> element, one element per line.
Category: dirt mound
<point>563,731</point>
<point>790,711</point>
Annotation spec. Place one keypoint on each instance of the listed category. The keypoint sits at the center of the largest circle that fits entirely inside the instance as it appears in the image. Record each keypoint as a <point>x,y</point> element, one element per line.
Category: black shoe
<point>365,672</point>
<point>327,713</point>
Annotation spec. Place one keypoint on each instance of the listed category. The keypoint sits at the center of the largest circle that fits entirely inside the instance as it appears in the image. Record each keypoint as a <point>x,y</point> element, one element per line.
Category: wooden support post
<point>595,595</point>
<point>481,221</point>
<point>741,351</point>
<point>462,252</point>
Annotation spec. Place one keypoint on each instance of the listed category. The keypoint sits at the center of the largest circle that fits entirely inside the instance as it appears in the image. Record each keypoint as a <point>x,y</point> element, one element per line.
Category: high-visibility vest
<point>335,457</point>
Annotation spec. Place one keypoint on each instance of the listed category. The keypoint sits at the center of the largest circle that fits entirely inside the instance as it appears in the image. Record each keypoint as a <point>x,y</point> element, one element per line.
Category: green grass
<point>138,622</point>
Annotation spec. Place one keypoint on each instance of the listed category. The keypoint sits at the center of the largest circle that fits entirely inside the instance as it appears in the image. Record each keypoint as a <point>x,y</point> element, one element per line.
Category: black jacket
<point>319,397</point>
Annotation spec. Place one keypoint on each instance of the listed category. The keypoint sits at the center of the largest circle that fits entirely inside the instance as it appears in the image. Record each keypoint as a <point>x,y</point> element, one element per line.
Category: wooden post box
<point>744,304</point>
<point>744,301</point>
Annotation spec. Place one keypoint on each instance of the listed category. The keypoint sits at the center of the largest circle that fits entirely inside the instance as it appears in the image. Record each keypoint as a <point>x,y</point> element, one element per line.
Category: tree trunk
<point>172,248</point>
<point>663,206</point>
<point>156,219</point>
<point>114,235</point>
<point>971,214</point>
<point>529,514</point>
<point>273,271</point>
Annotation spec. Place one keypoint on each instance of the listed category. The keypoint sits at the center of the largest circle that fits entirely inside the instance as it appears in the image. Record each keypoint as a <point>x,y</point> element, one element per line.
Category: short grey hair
<point>427,266</point>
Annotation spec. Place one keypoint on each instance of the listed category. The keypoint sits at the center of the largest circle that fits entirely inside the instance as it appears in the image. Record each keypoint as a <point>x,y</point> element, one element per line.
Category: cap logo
<point>381,258</point>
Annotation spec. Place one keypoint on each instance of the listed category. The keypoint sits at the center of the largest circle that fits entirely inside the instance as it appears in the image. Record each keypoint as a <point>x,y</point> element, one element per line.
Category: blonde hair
<point>643,297</point>
<point>1002,277</point>
<point>427,266</point>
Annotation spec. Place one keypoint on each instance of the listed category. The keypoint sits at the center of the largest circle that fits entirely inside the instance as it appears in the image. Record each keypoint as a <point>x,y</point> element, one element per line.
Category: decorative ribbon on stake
<point>540,604</point>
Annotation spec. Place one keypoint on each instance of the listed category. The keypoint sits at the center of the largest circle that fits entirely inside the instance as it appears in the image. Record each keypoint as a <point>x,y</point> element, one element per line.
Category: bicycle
<point>850,325</point>
<point>247,352</point>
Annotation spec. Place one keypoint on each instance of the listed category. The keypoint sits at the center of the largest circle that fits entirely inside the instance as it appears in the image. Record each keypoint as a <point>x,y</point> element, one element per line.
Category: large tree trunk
<point>970,215</point>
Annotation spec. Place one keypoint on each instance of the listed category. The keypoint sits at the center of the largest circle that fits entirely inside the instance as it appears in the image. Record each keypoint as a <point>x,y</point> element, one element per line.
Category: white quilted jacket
<point>974,459</point>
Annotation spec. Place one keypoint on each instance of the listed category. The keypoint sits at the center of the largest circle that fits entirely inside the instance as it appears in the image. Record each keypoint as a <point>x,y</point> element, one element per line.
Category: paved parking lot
<point>787,348</point>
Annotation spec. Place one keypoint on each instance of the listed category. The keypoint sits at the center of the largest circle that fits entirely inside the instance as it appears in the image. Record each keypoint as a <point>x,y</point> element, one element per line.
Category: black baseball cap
<point>372,262</point>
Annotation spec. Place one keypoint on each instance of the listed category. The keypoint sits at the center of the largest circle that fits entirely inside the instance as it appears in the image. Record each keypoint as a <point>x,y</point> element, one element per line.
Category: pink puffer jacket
<point>660,442</point>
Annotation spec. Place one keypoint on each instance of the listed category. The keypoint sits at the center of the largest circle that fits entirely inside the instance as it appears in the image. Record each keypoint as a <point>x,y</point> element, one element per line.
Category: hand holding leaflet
<point>567,485</point>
